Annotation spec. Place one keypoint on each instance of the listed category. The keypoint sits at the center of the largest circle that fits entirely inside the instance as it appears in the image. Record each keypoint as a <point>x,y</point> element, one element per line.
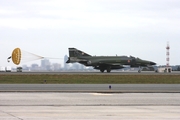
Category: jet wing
<point>110,64</point>
<point>115,64</point>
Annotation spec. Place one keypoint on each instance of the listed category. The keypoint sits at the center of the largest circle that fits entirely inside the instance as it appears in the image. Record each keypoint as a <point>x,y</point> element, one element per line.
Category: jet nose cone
<point>152,63</point>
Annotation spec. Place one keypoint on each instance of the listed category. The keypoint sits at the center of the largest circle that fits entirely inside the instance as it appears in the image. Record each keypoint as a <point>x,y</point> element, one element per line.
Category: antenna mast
<point>167,54</point>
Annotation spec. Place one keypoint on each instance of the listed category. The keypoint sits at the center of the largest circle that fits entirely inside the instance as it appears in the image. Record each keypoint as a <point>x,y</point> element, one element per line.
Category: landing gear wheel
<point>108,69</point>
<point>139,71</point>
<point>102,70</point>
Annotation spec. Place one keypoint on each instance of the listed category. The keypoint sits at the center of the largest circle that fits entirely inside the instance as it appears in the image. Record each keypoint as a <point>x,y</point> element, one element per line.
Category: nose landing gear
<point>140,69</point>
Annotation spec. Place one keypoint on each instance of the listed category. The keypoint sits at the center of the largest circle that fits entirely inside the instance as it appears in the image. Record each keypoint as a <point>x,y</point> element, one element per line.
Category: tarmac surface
<point>102,88</point>
<point>91,106</point>
<point>90,101</point>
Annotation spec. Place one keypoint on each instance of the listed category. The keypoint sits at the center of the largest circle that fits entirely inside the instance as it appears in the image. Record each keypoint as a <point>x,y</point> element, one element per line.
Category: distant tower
<point>167,55</point>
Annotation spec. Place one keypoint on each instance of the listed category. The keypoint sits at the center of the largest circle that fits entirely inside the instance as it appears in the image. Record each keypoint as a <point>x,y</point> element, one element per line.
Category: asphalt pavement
<point>111,88</point>
<point>91,106</point>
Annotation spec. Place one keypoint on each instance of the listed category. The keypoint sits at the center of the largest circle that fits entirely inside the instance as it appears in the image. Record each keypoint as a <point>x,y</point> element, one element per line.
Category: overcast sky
<point>140,28</point>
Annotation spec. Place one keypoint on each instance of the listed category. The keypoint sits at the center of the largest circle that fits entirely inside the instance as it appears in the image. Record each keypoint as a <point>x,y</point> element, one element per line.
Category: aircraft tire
<point>108,69</point>
<point>102,70</point>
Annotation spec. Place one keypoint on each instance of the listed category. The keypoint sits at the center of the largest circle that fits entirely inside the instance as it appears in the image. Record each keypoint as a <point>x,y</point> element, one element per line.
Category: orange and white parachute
<point>19,56</point>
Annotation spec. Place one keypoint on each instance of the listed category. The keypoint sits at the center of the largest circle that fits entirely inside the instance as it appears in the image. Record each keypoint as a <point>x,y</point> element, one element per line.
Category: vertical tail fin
<point>74,55</point>
<point>73,52</point>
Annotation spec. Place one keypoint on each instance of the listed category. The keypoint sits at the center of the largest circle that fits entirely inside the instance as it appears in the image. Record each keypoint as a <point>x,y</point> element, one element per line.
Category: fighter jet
<point>107,63</point>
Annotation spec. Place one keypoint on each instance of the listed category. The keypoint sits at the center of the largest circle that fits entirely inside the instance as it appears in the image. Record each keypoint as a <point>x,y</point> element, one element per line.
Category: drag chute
<point>16,56</point>
<point>19,56</point>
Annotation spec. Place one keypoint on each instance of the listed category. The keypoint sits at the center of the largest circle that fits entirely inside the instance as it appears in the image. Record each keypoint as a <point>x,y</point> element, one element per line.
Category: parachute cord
<point>34,54</point>
<point>52,58</point>
<point>41,57</point>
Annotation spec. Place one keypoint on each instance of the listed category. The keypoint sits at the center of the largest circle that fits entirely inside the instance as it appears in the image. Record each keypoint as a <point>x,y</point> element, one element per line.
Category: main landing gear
<point>102,70</point>
<point>108,68</point>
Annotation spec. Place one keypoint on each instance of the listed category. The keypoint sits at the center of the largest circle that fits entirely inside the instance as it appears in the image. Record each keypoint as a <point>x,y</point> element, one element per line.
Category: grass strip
<point>89,79</point>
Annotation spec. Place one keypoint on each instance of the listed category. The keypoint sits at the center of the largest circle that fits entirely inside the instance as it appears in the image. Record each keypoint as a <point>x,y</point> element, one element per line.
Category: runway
<point>96,88</point>
<point>89,101</point>
<point>91,106</point>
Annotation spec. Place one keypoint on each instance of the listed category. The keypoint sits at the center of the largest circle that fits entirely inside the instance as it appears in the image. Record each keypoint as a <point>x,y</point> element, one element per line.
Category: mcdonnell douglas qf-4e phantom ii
<point>108,63</point>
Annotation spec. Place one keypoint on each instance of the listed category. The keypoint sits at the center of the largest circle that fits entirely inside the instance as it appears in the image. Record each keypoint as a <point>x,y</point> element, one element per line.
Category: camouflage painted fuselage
<point>105,62</point>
